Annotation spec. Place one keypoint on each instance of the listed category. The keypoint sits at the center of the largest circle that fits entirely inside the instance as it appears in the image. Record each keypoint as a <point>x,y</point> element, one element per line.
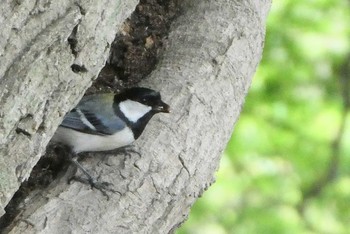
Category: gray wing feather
<point>94,115</point>
<point>72,120</point>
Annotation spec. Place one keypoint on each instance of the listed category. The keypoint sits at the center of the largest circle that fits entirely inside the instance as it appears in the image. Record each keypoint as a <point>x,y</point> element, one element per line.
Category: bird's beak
<point>162,107</point>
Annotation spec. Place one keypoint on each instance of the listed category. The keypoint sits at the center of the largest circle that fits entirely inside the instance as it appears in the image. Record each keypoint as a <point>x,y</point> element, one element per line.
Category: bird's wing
<point>94,115</point>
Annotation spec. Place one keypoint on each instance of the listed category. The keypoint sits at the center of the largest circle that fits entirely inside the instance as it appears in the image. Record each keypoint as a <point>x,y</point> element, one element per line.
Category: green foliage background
<point>287,167</point>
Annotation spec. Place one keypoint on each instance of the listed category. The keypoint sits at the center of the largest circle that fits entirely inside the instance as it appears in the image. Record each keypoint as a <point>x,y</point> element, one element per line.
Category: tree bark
<point>211,55</point>
<point>50,51</point>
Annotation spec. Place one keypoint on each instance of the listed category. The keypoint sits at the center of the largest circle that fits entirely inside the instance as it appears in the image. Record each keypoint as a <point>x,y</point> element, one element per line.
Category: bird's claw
<point>103,187</point>
<point>128,150</point>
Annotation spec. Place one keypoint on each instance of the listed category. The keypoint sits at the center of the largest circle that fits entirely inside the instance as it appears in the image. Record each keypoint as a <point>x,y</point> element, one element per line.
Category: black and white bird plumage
<point>104,122</point>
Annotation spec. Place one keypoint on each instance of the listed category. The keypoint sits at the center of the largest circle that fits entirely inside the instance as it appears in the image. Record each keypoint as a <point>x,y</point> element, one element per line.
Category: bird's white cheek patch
<point>133,110</point>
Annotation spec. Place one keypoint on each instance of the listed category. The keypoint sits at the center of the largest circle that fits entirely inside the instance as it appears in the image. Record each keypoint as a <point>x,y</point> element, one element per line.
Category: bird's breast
<point>82,142</point>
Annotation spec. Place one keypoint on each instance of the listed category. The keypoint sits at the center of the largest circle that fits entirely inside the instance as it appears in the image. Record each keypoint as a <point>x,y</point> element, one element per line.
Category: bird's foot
<point>103,187</point>
<point>128,150</point>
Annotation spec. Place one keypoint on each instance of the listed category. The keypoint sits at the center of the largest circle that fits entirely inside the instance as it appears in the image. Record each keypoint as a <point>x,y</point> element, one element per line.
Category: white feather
<point>85,120</point>
<point>133,110</point>
<point>82,142</point>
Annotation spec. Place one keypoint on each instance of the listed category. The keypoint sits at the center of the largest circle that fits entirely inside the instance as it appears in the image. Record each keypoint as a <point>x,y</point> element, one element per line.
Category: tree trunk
<point>211,55</point>
<point>50,51</point>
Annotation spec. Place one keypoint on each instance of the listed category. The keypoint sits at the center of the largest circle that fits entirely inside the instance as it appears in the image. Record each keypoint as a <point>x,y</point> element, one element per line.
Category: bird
<point>103,122</point>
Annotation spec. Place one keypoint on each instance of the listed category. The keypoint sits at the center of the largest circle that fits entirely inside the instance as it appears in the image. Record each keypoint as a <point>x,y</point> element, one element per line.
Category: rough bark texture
<point>211,56</point>
<point>41,43</point>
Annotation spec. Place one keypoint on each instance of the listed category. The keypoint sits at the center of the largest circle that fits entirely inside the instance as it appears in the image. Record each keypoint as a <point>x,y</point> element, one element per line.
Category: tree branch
<point>333,167</point>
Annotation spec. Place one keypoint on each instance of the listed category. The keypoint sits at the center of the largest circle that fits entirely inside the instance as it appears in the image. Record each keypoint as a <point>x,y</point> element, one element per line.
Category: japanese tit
<point>104,122</point>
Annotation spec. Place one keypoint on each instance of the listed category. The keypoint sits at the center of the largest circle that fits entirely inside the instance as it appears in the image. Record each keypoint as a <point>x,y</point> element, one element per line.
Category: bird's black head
<point>144,96</point>
<point>136,106</point>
